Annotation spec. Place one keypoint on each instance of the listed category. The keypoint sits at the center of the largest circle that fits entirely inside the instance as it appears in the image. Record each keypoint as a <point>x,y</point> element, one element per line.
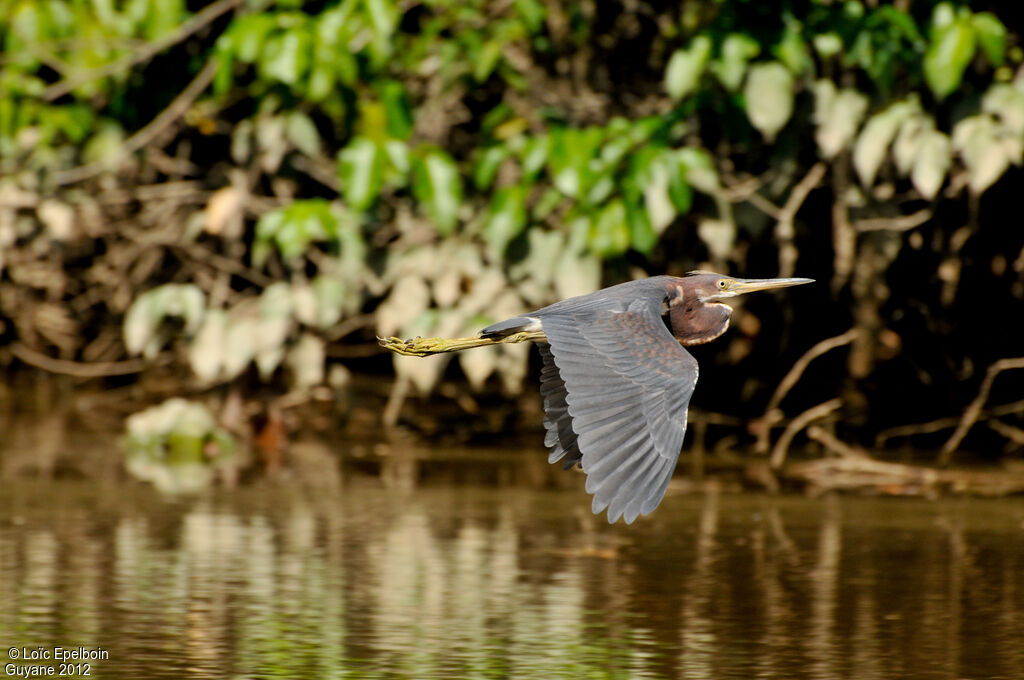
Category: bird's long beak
<point>741,286</point>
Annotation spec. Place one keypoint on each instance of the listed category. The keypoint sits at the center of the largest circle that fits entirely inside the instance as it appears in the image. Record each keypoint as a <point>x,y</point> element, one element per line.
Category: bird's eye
<point>721,283</point>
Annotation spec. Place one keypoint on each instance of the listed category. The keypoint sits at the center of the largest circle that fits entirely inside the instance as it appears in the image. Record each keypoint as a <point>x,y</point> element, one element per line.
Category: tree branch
<point>781,448</point>
<point>99,369</point>
<point>164,119</point>
<point>970,416</point>
<point>201,18</point>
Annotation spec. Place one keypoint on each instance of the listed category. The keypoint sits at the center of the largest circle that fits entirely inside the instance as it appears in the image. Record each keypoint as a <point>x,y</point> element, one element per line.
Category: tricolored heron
<point>617,380</point>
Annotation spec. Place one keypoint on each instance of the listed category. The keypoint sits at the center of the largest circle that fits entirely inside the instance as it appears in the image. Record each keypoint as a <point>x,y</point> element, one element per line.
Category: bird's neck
<point>695,324</point>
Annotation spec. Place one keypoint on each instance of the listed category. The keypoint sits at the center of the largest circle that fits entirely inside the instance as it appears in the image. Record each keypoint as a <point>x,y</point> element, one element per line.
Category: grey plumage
<point>617,381</point>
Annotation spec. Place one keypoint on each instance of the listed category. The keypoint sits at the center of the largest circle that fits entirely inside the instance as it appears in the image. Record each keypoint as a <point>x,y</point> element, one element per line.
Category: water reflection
<point>472,582</point>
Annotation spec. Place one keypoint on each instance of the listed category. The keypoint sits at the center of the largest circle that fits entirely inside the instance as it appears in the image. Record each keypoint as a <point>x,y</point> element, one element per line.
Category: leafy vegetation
<point>268,173</point>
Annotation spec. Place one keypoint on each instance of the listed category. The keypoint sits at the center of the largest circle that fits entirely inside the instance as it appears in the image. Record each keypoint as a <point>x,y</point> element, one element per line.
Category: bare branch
<point>784,230</point>
<point>902,223</point>
<point>970,416</point>
<point>772,414</point>
<point>202,18</point>
<point>832,443</point>
<point>1014,434</point>
<point>818,412</point>
<point>944,423</point>
<point>823,347</point>
<point>99,369</point>
<point>175,110</point>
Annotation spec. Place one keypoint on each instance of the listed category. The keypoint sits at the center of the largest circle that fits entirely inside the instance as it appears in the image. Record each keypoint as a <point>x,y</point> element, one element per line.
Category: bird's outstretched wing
<point>627,387</point>
<point>560,437</point>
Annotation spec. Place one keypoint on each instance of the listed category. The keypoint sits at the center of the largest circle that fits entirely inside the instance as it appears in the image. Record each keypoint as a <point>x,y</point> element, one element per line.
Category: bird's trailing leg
<point>422,347</point>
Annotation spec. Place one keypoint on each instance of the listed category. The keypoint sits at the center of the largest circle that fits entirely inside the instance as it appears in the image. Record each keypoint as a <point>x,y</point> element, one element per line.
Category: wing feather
<point>557,421</point>
<point>616,388</point>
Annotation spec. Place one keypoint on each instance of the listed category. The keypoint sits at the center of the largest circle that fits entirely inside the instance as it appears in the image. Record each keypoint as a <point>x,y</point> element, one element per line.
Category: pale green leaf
<point>731,66</point>
<point>577,274</point>
<point>285,57</point>
<point>685,67</point>
<point>330,294</point>
<point>306,361</point>
<point>768,94</point>
<point>827,44</point>
<point>1006,102</point>
<point>146,314</point>
<point>438,188</point>
<point>206,351</point>
<point>300,131</point>
<point>700,169</point>
<point>241,337</point>
<point>409,298</point>
<point>360,168</point>
<point>977,140</point>
<point>609,233</point>
<point>478,365</point>
<point>837,116</point>
<point>719,236</point>
<point>506,218</point>
<point>874,140</point>
<point>932,162</point>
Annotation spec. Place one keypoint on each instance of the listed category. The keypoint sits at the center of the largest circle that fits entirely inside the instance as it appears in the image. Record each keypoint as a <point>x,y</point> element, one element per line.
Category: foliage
<point>446,164</point>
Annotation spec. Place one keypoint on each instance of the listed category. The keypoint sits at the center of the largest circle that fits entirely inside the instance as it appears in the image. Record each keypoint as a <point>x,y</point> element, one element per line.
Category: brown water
<point>493,582</point>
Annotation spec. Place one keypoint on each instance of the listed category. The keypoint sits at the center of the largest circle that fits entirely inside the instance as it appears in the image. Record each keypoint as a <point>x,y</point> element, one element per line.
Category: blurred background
<point>210,211</point>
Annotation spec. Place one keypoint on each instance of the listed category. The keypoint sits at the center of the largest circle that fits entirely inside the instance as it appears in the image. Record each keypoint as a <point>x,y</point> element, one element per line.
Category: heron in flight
<point>617,378</point>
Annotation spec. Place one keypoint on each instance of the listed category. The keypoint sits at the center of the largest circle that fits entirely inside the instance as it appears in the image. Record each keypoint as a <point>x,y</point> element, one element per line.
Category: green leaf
<point>609,233</point>
<point>700,170</point>
<point>300,131</point>
<point>991,36</point>
<point>249,34</point>
<point>486,60</point>
<point>535,154</point>
<point>685,67</point>
<point>360,167</point>
<point>438,187</point>
<point>792,50</point>
<point>642,236</point>
<point>769,97</point>
<point>532,13</point>
<point>656,177</point>
<point>383,17</point>
<point>286,57</point>
<point>397,153</point>
<point>487,166</point>
<point>506,218</point>
<point>571,159</point>
<point>396,108</point>
<point>292,229</point>
<point>731,66</point>
<point>949,52</point>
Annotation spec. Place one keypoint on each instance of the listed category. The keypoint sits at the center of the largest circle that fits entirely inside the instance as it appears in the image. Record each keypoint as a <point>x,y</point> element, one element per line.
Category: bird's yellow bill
<point>741,286</point>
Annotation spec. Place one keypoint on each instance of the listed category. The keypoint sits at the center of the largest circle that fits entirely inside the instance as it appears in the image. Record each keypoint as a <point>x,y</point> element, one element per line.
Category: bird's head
<point>709,286</point>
